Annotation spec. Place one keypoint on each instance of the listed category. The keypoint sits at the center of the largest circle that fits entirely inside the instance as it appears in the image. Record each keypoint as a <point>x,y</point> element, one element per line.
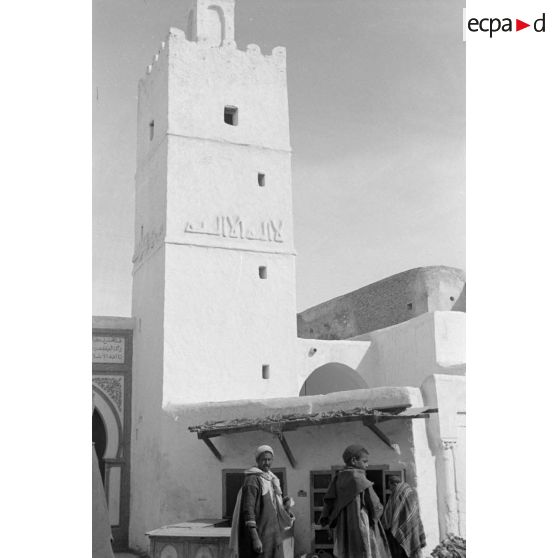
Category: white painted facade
<point>448,443</point>
<point>401,355</point>
<point>215,334</point>
<point>212,230</point>
<point>407,353</point>
<point>188,483</point>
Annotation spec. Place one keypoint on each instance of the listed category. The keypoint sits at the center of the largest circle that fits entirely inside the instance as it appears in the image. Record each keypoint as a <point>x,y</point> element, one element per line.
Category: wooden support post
<point>371,423</point>
<point>287,449</point>
<point>212,447</point>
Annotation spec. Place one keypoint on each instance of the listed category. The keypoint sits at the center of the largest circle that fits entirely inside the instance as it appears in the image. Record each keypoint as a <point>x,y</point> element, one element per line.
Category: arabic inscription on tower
<point>268,230</point>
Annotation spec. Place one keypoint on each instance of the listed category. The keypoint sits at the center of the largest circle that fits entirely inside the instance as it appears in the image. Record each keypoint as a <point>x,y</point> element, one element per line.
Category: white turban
<point>263,449</point>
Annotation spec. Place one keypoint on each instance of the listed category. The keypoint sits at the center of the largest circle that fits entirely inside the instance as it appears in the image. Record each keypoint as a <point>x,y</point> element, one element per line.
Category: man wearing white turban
<point>261,516</point>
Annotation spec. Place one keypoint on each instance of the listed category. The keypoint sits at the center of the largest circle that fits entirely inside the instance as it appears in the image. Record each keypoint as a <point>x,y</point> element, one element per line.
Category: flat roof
<point>279,424</point>
<point>293,421</point>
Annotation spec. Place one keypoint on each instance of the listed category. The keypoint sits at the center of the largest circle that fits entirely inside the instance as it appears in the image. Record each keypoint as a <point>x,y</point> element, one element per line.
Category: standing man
<point>261,517</point>
<point>352,510</point>
<point>402,521</point>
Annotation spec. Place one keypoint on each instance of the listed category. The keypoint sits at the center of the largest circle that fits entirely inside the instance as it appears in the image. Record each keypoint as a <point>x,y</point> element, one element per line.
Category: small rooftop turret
<point>211,22</point>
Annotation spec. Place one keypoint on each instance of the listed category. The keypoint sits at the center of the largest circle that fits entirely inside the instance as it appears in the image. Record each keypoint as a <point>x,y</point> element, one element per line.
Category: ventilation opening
<point>262,271</point>
<point>452,298</point>
<point>261,179</point>
<point>231,116</point>
<point>265,371</point>
<point>410,306</point>
<point>151,129</point>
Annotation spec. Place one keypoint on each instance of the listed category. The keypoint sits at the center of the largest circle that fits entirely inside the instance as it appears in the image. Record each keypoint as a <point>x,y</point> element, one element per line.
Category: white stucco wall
<point>222,323</point>
<point>204,80</point>
<point>407,353</point>
<point>198,192</point>
<point>400,355</point>
<point>313,354</point>
<point>212,21</point>
<point>147,387</point>
<point>205,320</point>
<point>153,106</point>
<point>460,474</point>
<point>148,288</point>
<point>447,438</point>
<point>151,166</point>
<point>189,477</point>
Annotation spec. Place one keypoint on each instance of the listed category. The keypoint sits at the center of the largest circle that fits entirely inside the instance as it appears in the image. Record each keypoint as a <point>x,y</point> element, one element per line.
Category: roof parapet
<point>278,54</point>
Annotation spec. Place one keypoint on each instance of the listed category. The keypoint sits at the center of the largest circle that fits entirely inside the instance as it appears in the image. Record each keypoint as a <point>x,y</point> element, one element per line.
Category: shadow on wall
<point>461,303</point>
<point>332,377</point>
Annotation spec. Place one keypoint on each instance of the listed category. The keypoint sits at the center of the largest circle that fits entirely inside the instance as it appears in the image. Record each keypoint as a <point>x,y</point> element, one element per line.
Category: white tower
<point>214,262</point>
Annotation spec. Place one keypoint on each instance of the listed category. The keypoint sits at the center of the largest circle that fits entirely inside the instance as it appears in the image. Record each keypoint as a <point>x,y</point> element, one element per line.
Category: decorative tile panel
<point>113,387</point>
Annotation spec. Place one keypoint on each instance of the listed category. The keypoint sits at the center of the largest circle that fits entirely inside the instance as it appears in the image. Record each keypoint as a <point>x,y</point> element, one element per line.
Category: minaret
<point>214,262</point>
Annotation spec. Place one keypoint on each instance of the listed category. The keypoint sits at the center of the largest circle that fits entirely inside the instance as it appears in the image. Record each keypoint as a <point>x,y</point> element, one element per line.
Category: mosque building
<point>215,361</point>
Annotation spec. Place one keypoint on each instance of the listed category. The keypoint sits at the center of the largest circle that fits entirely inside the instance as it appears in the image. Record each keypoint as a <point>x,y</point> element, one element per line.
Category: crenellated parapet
<point>202,35</point>
<point>156,57</point>
<point>211,77</point>
<point>277,56</point>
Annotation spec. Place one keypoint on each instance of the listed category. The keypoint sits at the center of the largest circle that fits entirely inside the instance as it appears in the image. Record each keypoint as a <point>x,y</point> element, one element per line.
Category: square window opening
<point>265,371</point>
<point>231,116</point>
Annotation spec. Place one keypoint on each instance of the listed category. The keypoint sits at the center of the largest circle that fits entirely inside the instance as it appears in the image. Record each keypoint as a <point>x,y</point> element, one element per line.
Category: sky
<point>377,119</point>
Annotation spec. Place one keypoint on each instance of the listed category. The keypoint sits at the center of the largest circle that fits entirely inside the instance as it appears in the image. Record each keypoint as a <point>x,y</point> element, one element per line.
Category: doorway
<point>377,477</point>
<point>319,482</point>
<point>100,441</point>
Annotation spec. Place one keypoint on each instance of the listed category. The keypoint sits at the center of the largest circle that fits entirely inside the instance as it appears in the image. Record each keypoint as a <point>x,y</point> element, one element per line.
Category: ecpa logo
<point>494,25</point>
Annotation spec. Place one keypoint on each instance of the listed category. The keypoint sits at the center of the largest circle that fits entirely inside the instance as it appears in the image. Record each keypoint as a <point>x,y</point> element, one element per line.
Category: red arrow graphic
<point>519,25</point>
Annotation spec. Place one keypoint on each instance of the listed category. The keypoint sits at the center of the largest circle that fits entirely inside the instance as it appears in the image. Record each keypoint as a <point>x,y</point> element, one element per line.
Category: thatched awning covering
<point>278,424</point>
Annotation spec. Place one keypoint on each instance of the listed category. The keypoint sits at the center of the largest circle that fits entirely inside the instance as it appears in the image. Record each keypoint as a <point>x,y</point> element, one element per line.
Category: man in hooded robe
<point>261,519</point>
<point>402,521</point>
<point>352,510</point>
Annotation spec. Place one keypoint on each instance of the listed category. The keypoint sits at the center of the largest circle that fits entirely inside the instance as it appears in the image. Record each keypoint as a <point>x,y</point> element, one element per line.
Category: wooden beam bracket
<point>370,422</point>
<point>212,447</point>
<point>286,448</point>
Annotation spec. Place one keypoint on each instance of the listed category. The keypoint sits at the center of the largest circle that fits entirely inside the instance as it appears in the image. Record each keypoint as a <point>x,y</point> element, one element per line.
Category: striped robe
<point>402,521</point>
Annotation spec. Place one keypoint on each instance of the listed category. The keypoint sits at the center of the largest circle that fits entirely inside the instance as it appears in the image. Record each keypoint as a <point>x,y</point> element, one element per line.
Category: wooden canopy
<point>280,423</point>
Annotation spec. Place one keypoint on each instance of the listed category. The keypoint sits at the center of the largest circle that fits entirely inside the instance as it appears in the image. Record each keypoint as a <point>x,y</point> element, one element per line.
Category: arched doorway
<point>332,377</point>
<point>216,22</point>
<point>111,420</point>
<point>100,441</point>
